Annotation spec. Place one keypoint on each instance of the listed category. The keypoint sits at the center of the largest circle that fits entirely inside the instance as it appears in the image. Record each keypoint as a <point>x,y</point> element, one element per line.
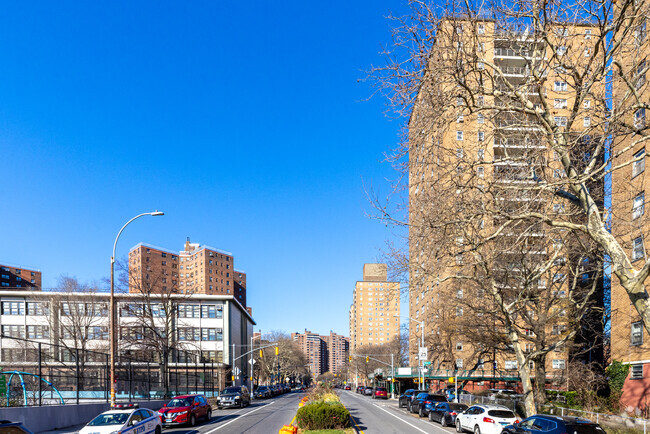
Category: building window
<point>639,118</point>
<point>460,119</point>
<point>637,248</point>
<point>560,86</point>
<point>510,364</point>
<point>37,308</point>
<point>586,104</point>
<point>13,308</point>
<point>481,136</point>
<point>558,364</point>
<point>638,206</point>
<point>480,118</point>
<point>38,332</point>
<point>636,371</point>
<point>459,346</point>
<point>13,331</point>
<point>459,135</point>
<point>636,336</point>
<point>561,50</point>
<point>480,100</point>
<point>560,121</point>
<point>560,103</point>
<point>459,363</point>
<point>480,29</point>
<point>588,34</point>
<point>586,122</point>
<point>638,166</point>
<point>480,171</point>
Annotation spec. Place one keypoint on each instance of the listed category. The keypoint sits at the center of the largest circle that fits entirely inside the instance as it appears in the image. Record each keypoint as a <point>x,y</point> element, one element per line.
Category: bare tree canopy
<point>524,120</point>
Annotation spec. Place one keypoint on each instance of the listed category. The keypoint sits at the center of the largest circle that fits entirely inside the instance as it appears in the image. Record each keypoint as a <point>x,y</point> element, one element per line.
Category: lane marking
<point>409,424</point>
<point>241,414</point>
<point>359,430</point>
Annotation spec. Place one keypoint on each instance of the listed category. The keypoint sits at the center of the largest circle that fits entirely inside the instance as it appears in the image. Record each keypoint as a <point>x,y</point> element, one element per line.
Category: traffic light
<point>367,359</point>
<point>261,354</point>
<point>277,350</point>
<point>350,359</point>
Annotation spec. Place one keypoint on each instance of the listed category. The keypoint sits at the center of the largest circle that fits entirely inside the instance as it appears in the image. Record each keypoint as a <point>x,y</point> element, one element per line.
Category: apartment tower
<point>375,309</point>
<point>196,269</point>
<point>470,153</point>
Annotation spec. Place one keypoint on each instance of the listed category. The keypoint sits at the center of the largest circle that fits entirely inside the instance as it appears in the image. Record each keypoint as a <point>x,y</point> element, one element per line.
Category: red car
<point>185,409</point>
<point>347,387</point>
<point>380,392</point>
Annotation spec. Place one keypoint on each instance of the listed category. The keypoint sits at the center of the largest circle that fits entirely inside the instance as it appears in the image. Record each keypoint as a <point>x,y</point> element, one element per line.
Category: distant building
<point>325,353</point>
<point>15,277</point>
<point>375,309</point>
<point>196,269</point>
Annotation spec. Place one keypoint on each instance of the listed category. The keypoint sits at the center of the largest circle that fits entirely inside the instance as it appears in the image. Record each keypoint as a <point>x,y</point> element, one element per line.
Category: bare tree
<point>288,362</point>
<point>521,222</point>
<point>76,323</point>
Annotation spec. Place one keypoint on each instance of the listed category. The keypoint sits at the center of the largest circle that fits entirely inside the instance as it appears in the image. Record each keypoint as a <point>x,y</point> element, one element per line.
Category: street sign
<point>3,384</point>
<point>236,371</point>
<point>422,354</point>
<point>251,361</point>
<point>427,363</point>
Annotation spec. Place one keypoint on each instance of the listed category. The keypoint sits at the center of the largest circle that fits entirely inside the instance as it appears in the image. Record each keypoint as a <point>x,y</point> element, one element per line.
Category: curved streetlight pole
<point>112,337</point>
<point>420,374</point>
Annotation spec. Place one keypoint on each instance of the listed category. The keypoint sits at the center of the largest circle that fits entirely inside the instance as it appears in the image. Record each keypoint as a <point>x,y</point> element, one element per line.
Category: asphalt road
<point>383,416</point>
<point>261,417</point>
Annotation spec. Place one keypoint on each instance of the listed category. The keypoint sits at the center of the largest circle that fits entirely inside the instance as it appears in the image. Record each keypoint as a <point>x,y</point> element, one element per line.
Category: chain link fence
<point>39,373</point>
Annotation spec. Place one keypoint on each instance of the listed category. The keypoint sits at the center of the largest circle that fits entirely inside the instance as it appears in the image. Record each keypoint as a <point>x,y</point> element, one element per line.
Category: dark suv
<point>553,425</point>
<point>405,397</point>
<point>419,402</point>
<point>234,396</point>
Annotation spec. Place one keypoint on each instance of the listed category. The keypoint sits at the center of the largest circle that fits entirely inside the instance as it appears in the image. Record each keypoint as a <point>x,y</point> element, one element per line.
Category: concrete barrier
<point>51,417</point>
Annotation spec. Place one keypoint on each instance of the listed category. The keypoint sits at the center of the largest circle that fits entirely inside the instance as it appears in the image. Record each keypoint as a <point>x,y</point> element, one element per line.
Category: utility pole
<point>392,378</point>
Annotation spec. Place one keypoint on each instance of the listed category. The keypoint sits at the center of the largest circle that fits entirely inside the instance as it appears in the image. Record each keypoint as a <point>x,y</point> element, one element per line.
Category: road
<point>379,416</point>
<point>261,417</point>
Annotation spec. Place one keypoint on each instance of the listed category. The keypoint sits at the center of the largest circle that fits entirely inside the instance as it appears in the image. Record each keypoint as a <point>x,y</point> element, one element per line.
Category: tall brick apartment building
<point>375,309</point>
<point>15,277</point>
<point>197,269</point>
<point>325,353</point>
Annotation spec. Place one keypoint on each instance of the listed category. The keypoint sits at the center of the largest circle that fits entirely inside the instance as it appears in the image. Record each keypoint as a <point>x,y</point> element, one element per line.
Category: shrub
<point>323,415</point>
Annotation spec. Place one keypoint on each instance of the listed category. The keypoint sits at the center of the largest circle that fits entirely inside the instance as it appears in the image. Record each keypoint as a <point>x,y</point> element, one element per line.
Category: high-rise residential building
<point>375,309</point>
<point>197,269</point>
<point>474,157</point>
<point>325,353</point>
<point>630,223</point>
<point>315,349</point>
<point>21,278</point>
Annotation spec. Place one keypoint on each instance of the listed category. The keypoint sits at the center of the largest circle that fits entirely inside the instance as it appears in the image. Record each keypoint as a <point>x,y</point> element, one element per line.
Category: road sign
<point>251,361</point>
<point>3,384</point>
<point>422,354</point>
<point>236,371</point>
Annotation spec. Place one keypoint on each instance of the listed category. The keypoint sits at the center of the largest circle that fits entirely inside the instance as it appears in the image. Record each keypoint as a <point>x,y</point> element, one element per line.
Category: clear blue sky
<point>243,121</point>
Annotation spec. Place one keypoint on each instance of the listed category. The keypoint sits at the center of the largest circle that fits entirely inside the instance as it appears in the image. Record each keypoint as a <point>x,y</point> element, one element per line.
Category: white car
<point>485,419</point>
<point>125,419</point>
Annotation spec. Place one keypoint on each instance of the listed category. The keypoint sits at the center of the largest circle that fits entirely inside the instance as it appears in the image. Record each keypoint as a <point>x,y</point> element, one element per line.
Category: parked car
<point>405,397</point>
<point>419,402</point>
<point>367,391</point>
<point>379,392</point>
<point>485,419</point>
<point>263,392</point>
<point>348,387</point>
<point>234,396</point>
<point>185,409</point>
<point>360,389</point>
<point>445,412</point>
<point>554,425</point>
<point>127,419</point>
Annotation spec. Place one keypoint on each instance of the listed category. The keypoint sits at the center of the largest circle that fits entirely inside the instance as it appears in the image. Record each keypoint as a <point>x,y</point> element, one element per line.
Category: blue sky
<point>244,122</point>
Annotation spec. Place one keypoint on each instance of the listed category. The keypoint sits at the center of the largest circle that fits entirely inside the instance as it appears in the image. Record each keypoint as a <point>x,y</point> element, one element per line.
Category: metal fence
<point>39,373</point>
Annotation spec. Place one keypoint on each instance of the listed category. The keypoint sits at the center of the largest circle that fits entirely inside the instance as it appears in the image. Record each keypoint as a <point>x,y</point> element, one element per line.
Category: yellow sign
<point>451,379</point>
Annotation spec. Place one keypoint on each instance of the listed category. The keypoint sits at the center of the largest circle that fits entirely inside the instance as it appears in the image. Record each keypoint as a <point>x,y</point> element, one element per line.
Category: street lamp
<point>421,374</point>
<point>112,303</point>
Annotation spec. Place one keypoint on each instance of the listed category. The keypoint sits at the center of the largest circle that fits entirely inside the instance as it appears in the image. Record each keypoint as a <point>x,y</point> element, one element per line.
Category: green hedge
<point>323,415</point>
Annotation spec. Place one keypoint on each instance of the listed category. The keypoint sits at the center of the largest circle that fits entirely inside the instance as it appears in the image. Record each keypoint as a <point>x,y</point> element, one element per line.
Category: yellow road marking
<point>356,425</point>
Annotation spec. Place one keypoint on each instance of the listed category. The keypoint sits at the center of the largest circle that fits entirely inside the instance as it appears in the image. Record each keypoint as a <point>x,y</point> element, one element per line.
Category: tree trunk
<point>524,373</point>
<point>540,380</point>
